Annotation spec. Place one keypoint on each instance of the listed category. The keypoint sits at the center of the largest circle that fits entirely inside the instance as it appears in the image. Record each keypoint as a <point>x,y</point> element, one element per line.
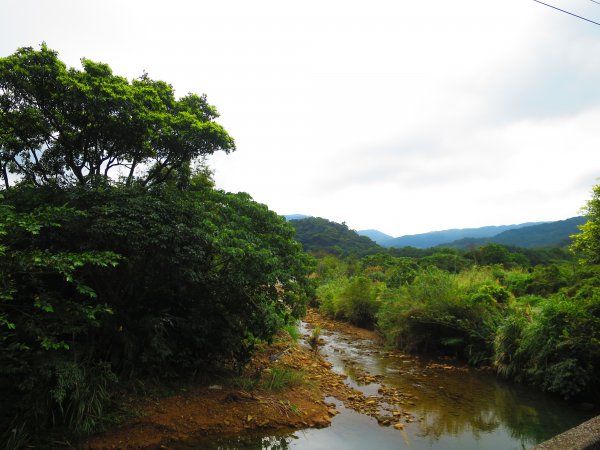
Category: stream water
<point>456,408</point>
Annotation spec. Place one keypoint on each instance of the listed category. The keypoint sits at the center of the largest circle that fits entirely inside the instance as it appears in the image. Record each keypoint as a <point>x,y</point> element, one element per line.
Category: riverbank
<point>379,394</point>
<point>230,406</point>
<point>228,409</point>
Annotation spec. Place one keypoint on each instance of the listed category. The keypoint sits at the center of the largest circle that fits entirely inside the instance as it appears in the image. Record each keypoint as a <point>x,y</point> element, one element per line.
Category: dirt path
<point>226,410</point>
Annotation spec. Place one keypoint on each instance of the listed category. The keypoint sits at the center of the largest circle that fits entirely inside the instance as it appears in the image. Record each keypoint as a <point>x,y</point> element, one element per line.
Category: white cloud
<point>405,116</point>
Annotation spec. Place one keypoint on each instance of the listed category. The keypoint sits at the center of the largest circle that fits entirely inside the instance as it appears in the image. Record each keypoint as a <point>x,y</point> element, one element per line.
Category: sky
<point>405,116</point>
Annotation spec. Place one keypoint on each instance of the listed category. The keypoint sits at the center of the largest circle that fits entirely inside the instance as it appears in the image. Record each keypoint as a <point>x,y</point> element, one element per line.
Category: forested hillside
<point>543,235</point>
<point>439,238</point>
<point>321,236</point>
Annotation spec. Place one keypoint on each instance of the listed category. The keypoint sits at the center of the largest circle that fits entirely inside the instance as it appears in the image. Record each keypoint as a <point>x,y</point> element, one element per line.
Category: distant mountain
<point>318,235</point>
<point>289,217</point>
<point>376,235</point>
<point>549,234</point>
<point>437,238</point>
<point>321,235</point>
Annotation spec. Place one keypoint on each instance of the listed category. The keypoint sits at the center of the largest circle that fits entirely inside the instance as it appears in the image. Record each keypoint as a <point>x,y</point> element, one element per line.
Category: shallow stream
<point>456,408</point>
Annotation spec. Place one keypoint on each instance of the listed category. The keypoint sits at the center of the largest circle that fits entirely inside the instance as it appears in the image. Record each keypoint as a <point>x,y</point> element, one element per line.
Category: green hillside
<point>552,234</point>
<point>442,237</point>
<point>318,235</point>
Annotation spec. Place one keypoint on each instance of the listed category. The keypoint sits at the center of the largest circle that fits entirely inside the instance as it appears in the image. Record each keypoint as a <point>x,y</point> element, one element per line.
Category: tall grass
<point>279,378</point>
<point>293,330</point>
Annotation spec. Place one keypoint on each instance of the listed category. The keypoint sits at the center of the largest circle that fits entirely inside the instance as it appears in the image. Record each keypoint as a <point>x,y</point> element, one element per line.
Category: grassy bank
<point>537,325</point>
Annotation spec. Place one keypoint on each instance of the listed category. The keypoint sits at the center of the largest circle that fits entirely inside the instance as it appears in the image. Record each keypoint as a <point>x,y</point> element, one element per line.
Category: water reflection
<point>457,402</point>
<point>456,408</point>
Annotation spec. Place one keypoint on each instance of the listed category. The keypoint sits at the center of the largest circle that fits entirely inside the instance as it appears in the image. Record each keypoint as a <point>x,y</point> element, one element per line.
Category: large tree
<point>115,256</point>
<point>66,126</point>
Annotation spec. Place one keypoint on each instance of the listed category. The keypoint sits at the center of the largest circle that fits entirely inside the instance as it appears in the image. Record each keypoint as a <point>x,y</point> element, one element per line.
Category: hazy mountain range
<point>527,235</point>
<point>435,238</point>
<point>543,235</point>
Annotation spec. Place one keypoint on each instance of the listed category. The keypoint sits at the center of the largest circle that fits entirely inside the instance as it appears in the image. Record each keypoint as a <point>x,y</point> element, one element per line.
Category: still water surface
<point>458,409</point>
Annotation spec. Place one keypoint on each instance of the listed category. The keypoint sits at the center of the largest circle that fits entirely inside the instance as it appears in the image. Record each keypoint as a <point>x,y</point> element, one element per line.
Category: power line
<point>594,1</point>
<point>567,12</point>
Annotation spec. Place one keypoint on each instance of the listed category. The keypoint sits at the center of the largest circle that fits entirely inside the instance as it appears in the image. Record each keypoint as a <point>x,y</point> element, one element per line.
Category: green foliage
<point>319,235</point>
<point>555,345</point>
<point>200,276</point>
<point>328,296</point>
<point>293,329</point>
<point>152,275</point>
<point>546,280</point>
<point>330,267</point>
<point>446,259</point>
<point>357,302</point>
<point>517,281</point>
<point>394,271</point>
<point>552,342</point>
<point>82,394</point>
<point>491,254</point>
<point>533,314</point>
<point>587,243</point>
<point>279,378</point>
<point>62,126</point>
<point>46,308</point>
<point>436,314</point>
<point>351,299</point>
<point>314,338</point>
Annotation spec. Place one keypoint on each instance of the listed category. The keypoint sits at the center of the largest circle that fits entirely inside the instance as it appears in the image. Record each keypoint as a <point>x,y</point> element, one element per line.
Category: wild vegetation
<point>321,236</point>
<point>120,261</point>
<point>532,315</point>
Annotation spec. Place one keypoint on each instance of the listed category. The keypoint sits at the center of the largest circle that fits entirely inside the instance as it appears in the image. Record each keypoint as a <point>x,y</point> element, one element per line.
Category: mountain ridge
<point>526,235</point>
<point>436,238</point>
<point>541,235</point>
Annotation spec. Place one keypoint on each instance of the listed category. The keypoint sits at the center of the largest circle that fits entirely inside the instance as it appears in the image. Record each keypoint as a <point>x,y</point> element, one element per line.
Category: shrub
<point>358,302</point>
<point>328,296</point>
<point>555,345</point>
<point>438,312</point>
<point>200,277</point>
<point>517,282</point>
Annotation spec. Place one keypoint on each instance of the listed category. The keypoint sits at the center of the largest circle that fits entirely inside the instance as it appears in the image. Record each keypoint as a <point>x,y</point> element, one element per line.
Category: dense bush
<point>47,379</point>
<point>133,282</point>
<point>555,345</point>
<point>116,260</point>
<point>439,313</point>
<point>537,325</point>
<point>358,302</point>
<point>328,296</point>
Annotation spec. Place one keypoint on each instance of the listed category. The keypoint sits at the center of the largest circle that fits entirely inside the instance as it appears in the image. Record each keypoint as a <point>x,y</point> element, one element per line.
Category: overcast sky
<point>406,116</point>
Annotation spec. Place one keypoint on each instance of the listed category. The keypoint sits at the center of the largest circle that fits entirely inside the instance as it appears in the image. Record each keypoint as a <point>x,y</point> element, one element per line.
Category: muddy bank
<point>226,410</point>
<point>367,393</point>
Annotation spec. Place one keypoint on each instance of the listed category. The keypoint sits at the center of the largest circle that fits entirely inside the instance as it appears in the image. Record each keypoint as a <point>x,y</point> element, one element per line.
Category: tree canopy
<point>65,126</point>
<point>318,235</point>
<point>117,257</point>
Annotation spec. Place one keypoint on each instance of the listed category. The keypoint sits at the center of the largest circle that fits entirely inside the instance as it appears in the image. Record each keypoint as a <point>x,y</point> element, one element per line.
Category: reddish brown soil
<point>227,410</point>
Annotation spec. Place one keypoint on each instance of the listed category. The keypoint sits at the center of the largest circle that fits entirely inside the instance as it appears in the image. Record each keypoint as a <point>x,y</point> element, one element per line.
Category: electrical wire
<point>567,12</point>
